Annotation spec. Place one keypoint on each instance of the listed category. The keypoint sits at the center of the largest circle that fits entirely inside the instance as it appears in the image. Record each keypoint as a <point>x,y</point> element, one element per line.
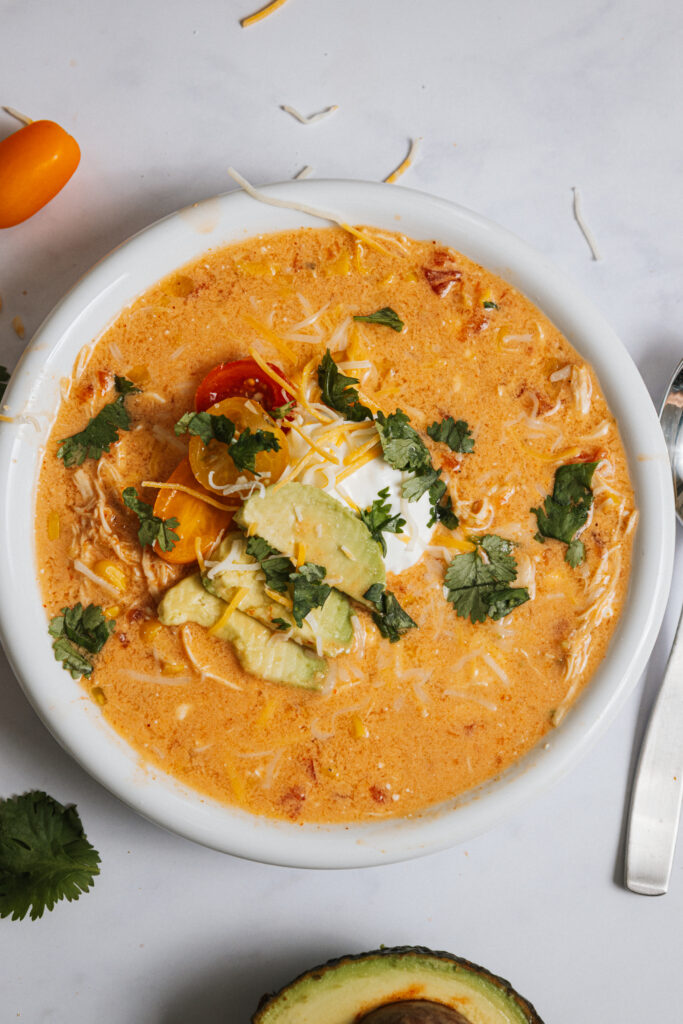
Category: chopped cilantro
<point>490,305</point>
<point>102,431</point>
<point>378,519</point>
<point>280,624</point>
<point>242,450</point>
<point>308,590</point>
<point>79,627</point>
<point>153,529</point>
<point>566,510</point>
<point>280,412</point>
<point>391,620</point>
<point>276,567</point>
<point>4,377</point>
<point>386,316</point>
<point>478,588</point>
<point>44,855</point>
<point>455,433</point>
<point>403,447</point>
<point>442,506</point>
<point>338,391</point>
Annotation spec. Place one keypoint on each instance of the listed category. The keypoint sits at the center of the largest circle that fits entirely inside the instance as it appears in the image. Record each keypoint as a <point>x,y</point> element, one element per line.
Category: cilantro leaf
<point>427,480</point>
<point>403,447</point>
<point>378,519</point>
<point>243,451</point>
<point>455,433</point>
<point>442,506</point>
<point>219,428</point>
<point>478,588</point>
<point>79,627</point>
<point>280,624</point>
<point>391,620</point>
<point>125,387</point>
<point>386,316</point>
<point>566,510</point>
<point>100,433</point>
<point>206,426</point>
<point>276,567</point>
<point>308,590</point>
<point>153,529</point>
<point>44,855</point>
<point>280,412</point>
<point>338,391</point>
<point>4,378</point>
<point>490,305</point>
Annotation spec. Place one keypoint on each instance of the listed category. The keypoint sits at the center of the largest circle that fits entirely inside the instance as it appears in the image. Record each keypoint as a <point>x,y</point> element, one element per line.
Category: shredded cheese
<point>585,230</point>
<point>234,603</point>
<point>405,164</point>
<point>303,173</point>
<point>358,454</point>
<point>368,457</point>
<point>189,490</point>
<point>312,118</point>
<point>300,554</point>
<point>264,12</point>
<point>271,336</point>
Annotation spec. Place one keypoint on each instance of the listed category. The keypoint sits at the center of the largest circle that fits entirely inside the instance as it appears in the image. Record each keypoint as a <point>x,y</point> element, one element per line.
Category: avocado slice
<point>333,620</point>
<point>258,649</point>
<point>411,984</point>
<point>333,536</point>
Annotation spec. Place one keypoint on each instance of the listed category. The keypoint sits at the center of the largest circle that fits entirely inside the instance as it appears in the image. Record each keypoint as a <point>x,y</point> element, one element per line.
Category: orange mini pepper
<point>35,164</point>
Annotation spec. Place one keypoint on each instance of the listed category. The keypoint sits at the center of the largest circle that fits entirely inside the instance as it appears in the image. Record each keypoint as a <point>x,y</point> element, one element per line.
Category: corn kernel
<point>98,695</point>
<point>149,630</point>
<point>53,526</point>
<point>339,267</point>
<point>139,374</point>
<point>112,573</point>
<point>173,668</point>
<point>358,729</point>
<point>267,712</point>
<point>113,611</point>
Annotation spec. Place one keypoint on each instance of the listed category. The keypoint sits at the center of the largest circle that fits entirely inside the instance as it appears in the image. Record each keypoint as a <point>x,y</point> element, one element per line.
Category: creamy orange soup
<point>395,727</point>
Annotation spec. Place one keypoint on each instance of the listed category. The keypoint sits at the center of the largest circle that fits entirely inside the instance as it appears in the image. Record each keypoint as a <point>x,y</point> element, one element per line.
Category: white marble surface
<point>517,103</point>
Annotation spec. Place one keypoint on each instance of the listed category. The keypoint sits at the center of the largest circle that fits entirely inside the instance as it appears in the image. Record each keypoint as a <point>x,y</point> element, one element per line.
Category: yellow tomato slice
<point>196,519</point>
<point>212,465</point>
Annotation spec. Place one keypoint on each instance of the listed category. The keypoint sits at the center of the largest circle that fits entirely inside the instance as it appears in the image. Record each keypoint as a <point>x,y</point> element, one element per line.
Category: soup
<point>394,545</point>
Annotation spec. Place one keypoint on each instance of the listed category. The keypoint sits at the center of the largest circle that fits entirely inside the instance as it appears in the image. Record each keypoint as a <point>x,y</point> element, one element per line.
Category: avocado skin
<point>504,986</point>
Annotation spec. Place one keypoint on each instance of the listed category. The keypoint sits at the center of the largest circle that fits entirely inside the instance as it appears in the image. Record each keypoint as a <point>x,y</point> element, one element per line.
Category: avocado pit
<point>413,1011</point>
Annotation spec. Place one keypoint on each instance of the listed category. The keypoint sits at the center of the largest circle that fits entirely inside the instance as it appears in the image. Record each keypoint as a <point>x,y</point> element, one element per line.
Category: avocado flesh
<point>342,991</point>
<point>300,514</point>
<point>259,653</point>
<point>332,621</point>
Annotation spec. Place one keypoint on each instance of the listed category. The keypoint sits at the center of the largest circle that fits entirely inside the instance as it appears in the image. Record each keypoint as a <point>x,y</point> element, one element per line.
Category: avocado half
<point>399,985</point>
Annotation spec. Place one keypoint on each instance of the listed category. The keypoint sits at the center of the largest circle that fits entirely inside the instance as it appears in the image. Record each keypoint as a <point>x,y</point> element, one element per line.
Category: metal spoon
<point>658,787</point>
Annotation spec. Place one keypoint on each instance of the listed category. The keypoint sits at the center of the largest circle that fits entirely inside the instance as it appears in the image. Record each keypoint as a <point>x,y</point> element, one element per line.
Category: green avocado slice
<point>333,536</point>
<point>259,650</point>
<point>333,621</point>
<point>351,989</point>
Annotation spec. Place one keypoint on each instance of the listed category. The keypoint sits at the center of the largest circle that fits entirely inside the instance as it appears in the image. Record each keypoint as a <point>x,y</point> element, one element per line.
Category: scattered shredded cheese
<point>264,12</point>
<point>18,326</point>
<point>17,115</point>
<point>403,167</point>
<point>312,118</point>
<point>189,490</point>
<point>234,603</point>
<point>585,230</point>
<point>305,172</point>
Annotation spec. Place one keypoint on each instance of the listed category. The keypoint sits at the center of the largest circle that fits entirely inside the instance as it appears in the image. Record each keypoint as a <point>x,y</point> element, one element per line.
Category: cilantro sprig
<point>386,316</point>
<point>305,583</point>
<point>455,433</point>
<point>79,627</point>
<point>405,450</point>
<point>391,620</point>
<point>101,431</point>
<point>566,510</point>
<point>153,529</point>
<point>378,519</point>
<point>478,582</point>
<point>45,855</point>
<point>242,450</point>
<point>338,391</point>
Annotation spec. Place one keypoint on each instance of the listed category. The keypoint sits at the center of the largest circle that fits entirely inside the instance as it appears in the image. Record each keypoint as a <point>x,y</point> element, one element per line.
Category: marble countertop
<point>516,104</point>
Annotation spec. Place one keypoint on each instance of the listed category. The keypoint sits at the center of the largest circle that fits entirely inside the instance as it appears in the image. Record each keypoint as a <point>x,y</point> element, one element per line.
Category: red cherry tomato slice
<point>241,378</point>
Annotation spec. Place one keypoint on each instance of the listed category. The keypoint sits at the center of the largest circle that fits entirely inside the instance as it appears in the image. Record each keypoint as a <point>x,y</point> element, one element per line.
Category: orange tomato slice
<point>35,164</point>
<point>195,518</point>
<point>212,465</point>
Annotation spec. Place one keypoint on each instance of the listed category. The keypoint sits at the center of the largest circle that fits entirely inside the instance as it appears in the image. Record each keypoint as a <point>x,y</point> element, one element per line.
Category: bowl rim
<point>84,314</point>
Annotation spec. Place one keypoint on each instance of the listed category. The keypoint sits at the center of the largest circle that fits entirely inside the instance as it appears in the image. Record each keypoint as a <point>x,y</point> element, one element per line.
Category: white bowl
<point>75,720</point>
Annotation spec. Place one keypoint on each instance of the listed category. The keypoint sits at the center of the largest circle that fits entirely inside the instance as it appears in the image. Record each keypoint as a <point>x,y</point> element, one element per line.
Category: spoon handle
<point>658,787</point>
